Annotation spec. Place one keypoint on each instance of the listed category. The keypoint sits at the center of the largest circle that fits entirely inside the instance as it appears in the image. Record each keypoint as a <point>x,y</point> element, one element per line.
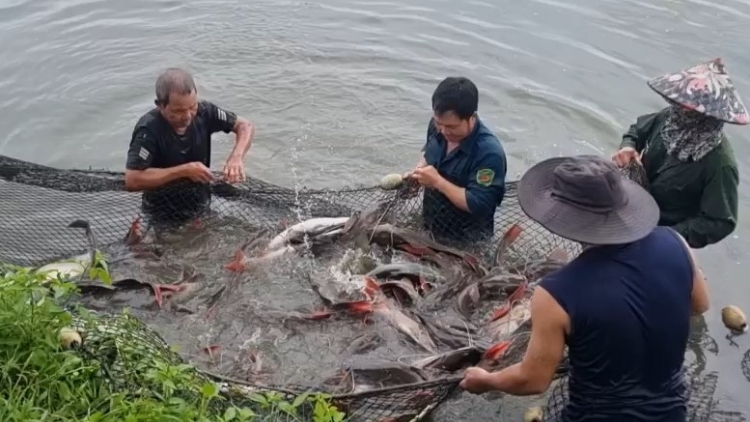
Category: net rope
<point>39,202</point>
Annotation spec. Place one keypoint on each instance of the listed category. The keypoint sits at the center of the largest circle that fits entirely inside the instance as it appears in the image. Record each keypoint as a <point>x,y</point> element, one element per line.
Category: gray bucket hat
<point>586,199</point>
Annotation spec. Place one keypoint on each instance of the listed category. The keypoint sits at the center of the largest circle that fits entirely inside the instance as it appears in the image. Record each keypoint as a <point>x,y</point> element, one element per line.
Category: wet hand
<point>197,172</point>
<point>476,381</point>
<point>624,156</point>
<point>427,176</point>
<point>234,170</point>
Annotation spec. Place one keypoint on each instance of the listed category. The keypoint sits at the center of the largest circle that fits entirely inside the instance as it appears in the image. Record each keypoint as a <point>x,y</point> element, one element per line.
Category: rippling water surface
<point>340,90</point>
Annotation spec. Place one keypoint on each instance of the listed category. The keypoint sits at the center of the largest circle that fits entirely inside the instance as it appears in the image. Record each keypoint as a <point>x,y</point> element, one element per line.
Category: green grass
<point>40,380</point>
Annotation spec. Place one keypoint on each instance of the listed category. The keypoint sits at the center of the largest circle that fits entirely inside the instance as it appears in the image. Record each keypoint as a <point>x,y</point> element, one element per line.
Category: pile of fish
<point>454,309</point>
<point>448,304</point>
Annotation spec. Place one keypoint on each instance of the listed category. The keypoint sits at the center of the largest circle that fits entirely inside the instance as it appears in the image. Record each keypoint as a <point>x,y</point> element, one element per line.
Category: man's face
<point>452,127</point>
<point>180,111</point>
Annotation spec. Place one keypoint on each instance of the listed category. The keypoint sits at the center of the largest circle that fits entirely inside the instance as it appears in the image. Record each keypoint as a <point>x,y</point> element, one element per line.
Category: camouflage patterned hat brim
<point>705,88</point>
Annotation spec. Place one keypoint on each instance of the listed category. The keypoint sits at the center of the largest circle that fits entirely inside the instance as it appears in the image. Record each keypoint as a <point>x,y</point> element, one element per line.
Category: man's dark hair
<point>173,80</point>
<point>456,94</point>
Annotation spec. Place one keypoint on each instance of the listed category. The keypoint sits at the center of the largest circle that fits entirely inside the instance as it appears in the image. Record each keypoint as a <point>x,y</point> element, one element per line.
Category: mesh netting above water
<point>38,203</point>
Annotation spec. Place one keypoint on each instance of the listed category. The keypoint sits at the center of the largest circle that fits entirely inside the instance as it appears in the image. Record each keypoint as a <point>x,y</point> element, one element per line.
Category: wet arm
<point>699,302</point>
<point>138,172</point>
<point>221,120</point>
<point>535,372</point>
<point>717,217</point>
<point>638,132</point>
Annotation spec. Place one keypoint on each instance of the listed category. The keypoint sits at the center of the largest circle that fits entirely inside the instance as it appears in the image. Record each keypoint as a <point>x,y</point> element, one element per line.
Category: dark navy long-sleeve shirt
<point>479,165</point>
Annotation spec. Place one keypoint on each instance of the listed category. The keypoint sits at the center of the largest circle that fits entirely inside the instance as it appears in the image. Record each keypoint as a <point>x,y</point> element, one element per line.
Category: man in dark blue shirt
<point>172,143</point>
<point>463,166</point>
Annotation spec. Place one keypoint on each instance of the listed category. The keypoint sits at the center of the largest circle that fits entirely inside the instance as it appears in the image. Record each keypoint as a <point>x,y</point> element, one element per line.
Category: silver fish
<point>402,289</point>
<point>382,307</point>
<point>76,266</point>
<point>505,327</point>
<point>311,227</point>
<point>412,270</point>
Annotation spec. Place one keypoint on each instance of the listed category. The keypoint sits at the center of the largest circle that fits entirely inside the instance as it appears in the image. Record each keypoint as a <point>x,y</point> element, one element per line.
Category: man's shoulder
<point>148,120</point>
<point>488,142</point>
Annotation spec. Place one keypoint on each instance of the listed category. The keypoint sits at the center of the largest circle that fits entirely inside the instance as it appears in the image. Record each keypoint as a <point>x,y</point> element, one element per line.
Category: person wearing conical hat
<point>691,168</point>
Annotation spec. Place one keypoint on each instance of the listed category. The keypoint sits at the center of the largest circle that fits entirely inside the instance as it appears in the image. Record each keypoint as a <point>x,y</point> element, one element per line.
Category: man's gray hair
<point>173,81</point>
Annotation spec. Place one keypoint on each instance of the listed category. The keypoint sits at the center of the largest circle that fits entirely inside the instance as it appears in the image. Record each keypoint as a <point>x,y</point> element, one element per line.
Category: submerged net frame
<point>38,203</point>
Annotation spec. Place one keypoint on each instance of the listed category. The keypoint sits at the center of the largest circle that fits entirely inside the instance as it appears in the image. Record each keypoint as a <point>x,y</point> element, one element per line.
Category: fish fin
<point>497,350</point>
<point>559,254</point>
<point>517,294</point>
<point>133,236</point>
<point>510,236</point>
<point>360,307</point>
<point>417,250</point>
<point>371,287</point>
<point>500,312</point>
<point>157,293</point>
<point>79,224</point>
<point>239,262</point>
<point>319,314</point>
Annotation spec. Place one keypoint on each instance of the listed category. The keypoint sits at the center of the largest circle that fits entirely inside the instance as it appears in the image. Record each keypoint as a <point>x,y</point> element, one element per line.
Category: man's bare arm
<point>139,180</point>
<point>535,372</point>
<point>244,132</point>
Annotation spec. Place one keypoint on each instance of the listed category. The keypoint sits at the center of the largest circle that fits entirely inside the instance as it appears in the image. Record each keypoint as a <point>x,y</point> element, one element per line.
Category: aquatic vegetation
<point>42,376</point>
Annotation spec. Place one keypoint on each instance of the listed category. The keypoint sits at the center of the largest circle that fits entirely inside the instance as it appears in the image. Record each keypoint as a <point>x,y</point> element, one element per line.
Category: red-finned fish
<point>510,236</point>
<point>135,233</point>
<point>380,306</point>
<point>517,295</point>
<point>508,325</point>
<point>496,351</point>
<point>242,262</point>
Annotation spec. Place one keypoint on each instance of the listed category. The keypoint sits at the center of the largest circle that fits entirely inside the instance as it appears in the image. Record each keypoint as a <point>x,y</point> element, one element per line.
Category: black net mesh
<point>126,351</point>
<point>702,406</point>
<point>39,202</point>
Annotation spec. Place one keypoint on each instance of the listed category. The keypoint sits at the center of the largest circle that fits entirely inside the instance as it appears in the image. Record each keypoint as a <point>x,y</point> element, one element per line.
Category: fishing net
<point>702,405</point>
<point>38,203</point>
<point>126,351</point>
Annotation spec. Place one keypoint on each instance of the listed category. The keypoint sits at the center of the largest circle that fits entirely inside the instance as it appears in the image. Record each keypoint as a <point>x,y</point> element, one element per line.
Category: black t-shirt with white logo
<point>154,144</point>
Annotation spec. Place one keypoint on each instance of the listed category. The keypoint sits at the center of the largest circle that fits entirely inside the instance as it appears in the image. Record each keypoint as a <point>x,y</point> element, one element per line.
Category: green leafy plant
<point>41,380</point>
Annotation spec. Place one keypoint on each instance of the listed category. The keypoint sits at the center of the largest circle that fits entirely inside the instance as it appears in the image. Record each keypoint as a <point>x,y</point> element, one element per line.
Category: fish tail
<point>371,287</point>
<point>319,314</point>
<point>496,351</point>
<point>360,307</point>
<point>518,293</point>
<point>510,236</point>
<point>500,312</point>
<point>239,262</point>
<point>133,236</point>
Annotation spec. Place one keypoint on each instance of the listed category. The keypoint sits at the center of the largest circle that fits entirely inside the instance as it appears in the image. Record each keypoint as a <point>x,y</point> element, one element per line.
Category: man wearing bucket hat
<point>689,162</point>
<point>623,306</point>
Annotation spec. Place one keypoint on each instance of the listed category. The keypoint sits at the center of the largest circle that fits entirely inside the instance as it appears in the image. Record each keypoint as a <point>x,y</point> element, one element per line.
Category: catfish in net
<point>462,169</point>
<point>169,157</point>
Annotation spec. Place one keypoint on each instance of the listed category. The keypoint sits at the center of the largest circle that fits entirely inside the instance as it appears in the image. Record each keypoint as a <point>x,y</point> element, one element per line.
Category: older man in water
<point>463,166</point>
<point>623,306</point>
<point>173,142</point>
<point>689,162</point>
